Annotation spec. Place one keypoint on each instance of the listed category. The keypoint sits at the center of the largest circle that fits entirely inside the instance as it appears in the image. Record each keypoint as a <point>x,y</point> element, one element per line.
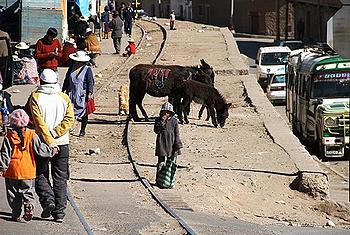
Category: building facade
<point>162,8</point>
<point>259,16</point>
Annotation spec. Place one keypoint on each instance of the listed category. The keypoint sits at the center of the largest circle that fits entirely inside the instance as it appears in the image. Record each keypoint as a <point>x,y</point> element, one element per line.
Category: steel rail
<point>143,180</point>
<point>71,200</point>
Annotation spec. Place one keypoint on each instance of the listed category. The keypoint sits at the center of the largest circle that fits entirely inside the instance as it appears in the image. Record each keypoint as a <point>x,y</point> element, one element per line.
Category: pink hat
<point>19,118</point>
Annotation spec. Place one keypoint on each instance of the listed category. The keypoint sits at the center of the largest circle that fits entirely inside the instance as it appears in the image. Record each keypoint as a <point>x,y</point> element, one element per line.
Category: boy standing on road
<point>168,145</point>
<point>116,25</point>
<point>172,20</point>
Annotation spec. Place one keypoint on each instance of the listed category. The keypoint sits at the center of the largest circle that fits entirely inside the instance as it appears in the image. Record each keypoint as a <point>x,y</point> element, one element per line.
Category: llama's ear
<point>205,64</point>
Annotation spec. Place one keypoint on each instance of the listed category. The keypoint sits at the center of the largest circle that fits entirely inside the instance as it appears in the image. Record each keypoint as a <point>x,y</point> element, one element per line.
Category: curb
<point>238,63</point>
<point>311,178</point>
<point>247,35</point>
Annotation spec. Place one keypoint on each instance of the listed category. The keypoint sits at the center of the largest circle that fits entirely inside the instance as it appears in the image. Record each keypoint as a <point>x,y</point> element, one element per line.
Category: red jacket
<point>131,48</point>
<point>68,49</point>
<point>42,51</point>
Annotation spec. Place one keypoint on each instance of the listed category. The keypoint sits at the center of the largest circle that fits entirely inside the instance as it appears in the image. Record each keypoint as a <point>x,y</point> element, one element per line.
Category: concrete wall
<point>338,32</point>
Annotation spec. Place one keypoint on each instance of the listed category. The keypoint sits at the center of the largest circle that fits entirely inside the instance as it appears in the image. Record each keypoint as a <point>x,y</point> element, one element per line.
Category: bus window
<point>331,85</point>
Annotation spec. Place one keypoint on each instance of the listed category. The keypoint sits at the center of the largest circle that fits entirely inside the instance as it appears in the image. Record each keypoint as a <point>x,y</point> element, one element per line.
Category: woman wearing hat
<point>69,47</point>
<point>131,48</point>
<point>93,47</point>
<point>168,145</point>
<point>25,67</point>
<point>79,84</point>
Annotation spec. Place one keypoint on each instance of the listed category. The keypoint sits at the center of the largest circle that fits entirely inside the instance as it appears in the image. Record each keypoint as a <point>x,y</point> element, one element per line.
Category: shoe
<point>81,134</point>
<point>47,210</point>
<point>58,220</point>
<point>28,212</point>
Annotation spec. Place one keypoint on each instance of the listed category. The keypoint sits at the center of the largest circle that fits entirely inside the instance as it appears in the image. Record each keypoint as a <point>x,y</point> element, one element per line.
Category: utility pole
<point>278,32</point>
<point>286,22</point>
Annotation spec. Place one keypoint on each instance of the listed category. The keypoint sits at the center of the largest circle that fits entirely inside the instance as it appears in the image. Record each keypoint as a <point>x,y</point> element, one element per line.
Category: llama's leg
<point>201,111</point>
<point>139,103</point>
<point>132,108</point>
<point>186,106</point>
<point>212,114</point>
<point>208,115</point>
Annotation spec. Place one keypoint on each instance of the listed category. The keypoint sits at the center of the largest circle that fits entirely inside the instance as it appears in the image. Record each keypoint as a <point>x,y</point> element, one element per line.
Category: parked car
<point>292,44</point>
<point>141,13</point>
<point>276,89</point>
<point>271,60</point>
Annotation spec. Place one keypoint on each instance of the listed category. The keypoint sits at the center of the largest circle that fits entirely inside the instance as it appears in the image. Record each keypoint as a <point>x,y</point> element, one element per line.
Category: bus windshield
<point>274,58</point>
<point>331,89</point>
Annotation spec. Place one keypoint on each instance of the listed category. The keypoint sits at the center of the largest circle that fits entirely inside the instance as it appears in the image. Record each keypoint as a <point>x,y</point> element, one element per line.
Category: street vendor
<point>48,51</point>
<point>26,70</point>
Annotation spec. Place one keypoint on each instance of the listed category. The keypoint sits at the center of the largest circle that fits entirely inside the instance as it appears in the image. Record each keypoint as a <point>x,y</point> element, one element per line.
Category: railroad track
<point>146,27</point>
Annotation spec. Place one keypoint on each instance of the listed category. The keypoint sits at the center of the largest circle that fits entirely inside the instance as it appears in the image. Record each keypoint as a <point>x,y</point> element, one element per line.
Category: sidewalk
<point>71,225</point>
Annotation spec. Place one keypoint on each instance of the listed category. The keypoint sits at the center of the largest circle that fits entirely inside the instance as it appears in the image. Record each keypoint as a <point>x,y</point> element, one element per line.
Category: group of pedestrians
<point>38,133</point>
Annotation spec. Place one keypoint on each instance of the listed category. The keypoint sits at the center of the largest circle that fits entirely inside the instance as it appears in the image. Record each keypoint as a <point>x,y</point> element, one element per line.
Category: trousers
<point>19,192</point>
<point>117,44</point>
<point>56,193</point>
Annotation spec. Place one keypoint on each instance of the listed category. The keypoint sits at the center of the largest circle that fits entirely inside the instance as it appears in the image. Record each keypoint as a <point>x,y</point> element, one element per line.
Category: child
<point>168,145</point>
<point>172,20</point>
<point>131,48</point>
<point>17,162</point>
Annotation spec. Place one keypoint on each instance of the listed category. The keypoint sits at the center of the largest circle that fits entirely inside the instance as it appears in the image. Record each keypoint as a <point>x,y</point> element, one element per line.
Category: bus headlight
<point>331,122</point>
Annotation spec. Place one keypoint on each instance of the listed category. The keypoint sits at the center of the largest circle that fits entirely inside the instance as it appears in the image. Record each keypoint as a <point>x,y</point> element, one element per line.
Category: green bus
<point>318,100</point>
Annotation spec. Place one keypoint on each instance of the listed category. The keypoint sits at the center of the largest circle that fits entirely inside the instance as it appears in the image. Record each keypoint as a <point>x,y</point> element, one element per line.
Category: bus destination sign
<point>330,76</point>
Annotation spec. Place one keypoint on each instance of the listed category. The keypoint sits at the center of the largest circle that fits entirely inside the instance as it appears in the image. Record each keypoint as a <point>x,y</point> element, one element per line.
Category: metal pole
<point>160,8</point>
<point>278,32</point>
<point>286,22</point>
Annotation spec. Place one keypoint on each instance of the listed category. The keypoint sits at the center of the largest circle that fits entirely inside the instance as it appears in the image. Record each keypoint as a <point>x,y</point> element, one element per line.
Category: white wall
<point>338,30</point>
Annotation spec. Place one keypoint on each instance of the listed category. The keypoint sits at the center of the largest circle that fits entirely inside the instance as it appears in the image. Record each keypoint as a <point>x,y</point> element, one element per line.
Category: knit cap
<point>19,118</point>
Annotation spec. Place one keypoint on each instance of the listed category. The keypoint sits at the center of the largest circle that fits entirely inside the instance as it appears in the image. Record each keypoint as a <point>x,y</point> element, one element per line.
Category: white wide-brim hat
<point>131,40</point>
<point>84,18</point>
<point>49,76</point>
<point>71,41</point>
<point>80,56</point>
<point>22,46</point>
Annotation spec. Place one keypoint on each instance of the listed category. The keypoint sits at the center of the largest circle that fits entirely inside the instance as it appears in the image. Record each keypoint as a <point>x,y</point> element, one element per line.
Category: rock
<point>330,223</point>
<point>95,151</point>
<point>99,75</point>
<point>280,202</point>
<point>200,31</point>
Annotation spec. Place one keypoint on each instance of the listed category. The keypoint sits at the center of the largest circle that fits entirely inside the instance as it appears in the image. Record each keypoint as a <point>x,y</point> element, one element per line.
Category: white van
<point>270,61</point>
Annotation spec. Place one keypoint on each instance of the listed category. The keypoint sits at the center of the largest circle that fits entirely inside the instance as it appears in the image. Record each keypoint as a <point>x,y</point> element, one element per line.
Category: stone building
<point>162,8</point>
<point>259,17</point>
